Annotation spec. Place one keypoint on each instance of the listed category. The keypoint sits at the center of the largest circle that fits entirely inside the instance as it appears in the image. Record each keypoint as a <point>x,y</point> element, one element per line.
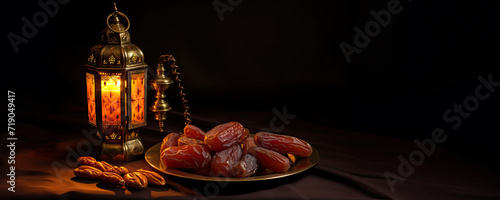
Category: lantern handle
<point>115,12</point>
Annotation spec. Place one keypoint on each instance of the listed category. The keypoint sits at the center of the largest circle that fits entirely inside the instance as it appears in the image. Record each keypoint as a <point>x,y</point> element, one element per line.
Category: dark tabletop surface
<point>353,165</point>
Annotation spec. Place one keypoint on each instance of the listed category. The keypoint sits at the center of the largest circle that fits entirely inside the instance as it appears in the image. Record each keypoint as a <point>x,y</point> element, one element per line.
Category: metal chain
<point>174,67</point>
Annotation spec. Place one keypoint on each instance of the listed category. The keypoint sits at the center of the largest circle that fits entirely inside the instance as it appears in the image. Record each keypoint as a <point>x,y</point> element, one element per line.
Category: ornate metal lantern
<point>116,91</point>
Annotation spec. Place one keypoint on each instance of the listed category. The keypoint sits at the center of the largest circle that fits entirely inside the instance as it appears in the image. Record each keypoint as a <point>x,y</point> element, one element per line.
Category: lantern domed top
<point>115,50</point>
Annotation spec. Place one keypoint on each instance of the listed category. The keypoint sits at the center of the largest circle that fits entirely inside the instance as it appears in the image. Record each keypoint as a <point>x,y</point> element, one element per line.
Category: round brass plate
<point>153,158</point>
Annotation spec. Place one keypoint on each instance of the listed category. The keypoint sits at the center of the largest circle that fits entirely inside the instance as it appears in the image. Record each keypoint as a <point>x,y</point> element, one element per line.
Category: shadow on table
<point>216,188</point>
<point>146,192</point>
<point>82,180</point>
<point>120,192</point>
<point>117,191</point>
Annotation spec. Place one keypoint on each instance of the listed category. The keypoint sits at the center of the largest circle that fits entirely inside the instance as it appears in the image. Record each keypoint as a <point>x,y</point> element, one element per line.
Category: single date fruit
<point>135,180</point>
<point>169,140</point>
<point>187,156</point>
<point>270,159</point>
<point>107,167</point>
<point>120,170</point>
<point>88,172</point>
<point>100,166</point>
<point>111,179</point>
<point>86,160</point>
<point>283,144</point>
<point>223,136</point>
<point>154,179</point>
<point>293,158</point>
<point>223,161</point>
<point>185,140</point>
<point>194,132</point>
<point>247,144</point>
<point>246,167</point>
<point>245,135</point>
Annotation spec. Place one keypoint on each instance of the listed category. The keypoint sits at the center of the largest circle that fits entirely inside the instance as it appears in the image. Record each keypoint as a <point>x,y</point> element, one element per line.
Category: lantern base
<point>127,148</point>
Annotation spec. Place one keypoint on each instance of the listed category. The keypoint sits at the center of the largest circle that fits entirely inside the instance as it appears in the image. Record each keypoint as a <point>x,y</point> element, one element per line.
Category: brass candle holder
<point>160,84</point>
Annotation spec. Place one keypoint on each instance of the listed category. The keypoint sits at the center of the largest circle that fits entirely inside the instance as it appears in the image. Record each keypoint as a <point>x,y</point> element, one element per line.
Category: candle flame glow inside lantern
<point>116,91</point>
<point>110,99</point>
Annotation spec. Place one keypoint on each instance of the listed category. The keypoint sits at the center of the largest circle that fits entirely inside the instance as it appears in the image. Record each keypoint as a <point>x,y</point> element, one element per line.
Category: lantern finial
<point>114,7</point>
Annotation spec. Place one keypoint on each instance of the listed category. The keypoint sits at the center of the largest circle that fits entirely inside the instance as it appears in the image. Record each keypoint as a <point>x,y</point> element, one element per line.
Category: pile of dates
<point>228,150</point>
<point>114,176</point>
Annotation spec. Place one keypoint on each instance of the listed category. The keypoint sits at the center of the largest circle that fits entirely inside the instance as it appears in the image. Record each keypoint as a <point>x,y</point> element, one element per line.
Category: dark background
<point>271,54</point>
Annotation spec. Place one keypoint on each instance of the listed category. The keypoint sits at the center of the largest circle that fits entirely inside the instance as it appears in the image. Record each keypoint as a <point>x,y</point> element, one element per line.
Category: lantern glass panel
<point>137,98</point>
<point>91,98</point>
<point>110,96</point>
